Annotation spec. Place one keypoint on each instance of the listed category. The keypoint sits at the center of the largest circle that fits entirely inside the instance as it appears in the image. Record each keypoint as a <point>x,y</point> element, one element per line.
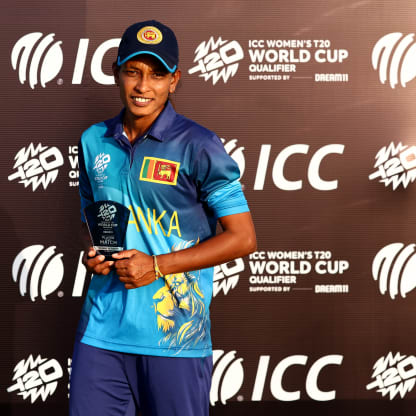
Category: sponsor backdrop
<point>315,102</point>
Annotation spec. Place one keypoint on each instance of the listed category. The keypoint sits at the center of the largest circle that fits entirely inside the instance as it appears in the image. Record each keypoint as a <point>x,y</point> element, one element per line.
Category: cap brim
<point>170,69</point>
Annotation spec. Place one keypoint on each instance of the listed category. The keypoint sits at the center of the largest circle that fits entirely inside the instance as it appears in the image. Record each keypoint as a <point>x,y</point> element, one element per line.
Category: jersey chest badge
<point>159,171</point>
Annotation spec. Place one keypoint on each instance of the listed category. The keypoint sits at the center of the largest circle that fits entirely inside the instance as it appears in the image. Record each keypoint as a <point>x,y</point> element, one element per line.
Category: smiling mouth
<point>141,100</point>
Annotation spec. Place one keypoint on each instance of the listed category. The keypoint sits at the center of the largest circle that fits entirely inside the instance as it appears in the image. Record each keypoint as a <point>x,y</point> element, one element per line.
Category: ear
<point>116,73</point>
<point>176,76</point>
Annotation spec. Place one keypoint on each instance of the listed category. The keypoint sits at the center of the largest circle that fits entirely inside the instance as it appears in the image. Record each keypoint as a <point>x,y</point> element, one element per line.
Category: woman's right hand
<point>96,264</point>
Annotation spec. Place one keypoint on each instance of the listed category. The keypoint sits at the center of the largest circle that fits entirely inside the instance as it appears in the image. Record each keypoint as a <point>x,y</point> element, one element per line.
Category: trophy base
<point>107,252</point>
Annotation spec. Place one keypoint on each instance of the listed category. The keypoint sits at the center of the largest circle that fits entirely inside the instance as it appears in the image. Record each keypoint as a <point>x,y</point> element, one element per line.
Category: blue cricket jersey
<point>176,181</point>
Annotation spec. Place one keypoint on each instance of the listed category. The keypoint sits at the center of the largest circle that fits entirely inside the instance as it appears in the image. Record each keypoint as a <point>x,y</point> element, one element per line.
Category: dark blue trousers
<point>110,383</point>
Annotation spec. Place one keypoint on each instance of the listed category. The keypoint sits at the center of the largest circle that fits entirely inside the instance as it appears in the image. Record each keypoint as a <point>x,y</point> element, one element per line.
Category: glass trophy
<point>107,224</point>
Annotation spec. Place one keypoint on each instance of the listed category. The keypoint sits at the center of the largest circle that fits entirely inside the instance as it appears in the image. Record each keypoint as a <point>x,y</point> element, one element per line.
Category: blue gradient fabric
<point>176,180</point>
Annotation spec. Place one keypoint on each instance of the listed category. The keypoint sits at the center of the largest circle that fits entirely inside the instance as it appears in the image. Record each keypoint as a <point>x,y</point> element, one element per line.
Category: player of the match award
<point>107,224</point>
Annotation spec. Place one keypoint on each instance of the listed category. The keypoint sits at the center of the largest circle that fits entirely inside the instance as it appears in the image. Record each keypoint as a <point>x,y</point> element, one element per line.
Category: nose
<point>142,84</point>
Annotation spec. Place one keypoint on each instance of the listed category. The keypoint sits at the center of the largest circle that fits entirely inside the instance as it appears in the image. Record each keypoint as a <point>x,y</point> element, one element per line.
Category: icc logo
<point>394,57</point>
<point>35,53</point>
<point>46,54</point>
<point>393,268</point>
<point>37,269</point>
<point>227,376</point>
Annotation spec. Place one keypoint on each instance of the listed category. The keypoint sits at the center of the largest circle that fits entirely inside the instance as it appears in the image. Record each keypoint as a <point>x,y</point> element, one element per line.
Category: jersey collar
<point>159,130</point>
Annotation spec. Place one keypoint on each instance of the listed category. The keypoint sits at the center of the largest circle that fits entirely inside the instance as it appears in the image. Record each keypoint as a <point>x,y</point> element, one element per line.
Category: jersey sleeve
<point>85,190</point>
<point>217,178</point>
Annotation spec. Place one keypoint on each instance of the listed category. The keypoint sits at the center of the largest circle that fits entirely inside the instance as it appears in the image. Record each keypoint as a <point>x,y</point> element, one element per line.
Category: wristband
<point>158,273</point>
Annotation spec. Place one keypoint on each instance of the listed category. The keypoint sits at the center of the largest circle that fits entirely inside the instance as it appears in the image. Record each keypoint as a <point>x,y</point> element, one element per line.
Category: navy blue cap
<point>152,38</point>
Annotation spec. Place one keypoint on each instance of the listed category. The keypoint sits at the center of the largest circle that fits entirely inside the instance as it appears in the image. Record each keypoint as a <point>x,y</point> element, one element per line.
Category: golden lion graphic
<point>180,309</point>
<point>165,171</point>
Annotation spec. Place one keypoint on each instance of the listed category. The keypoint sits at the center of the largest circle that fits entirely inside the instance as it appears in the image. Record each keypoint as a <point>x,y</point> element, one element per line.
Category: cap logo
<point>149,34</point>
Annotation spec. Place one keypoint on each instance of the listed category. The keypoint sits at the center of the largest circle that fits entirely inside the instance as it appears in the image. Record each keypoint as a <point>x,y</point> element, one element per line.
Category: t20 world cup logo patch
<point>159,171</point>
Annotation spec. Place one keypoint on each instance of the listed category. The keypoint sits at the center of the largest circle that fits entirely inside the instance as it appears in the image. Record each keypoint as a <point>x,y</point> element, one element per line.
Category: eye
<point>158,74</point>
<point>130,72</point>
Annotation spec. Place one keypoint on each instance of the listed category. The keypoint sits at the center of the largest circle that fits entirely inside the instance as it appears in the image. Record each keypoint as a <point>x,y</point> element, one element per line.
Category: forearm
<point>237,240</point>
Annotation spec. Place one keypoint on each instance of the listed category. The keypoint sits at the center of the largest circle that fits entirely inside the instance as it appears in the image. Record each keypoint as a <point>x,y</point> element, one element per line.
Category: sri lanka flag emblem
<point>159,171</point>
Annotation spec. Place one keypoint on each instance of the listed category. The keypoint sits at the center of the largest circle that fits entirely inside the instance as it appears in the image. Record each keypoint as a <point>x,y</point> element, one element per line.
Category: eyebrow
<point>131,67</point>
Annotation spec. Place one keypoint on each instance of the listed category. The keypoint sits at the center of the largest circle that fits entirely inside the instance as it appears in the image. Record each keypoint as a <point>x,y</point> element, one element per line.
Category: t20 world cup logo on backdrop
<point>395,165</point>
<point>394,375</point>
<point>394,57</point>
<point>28,55</point>
<point>226,276</point>
<point>217,59</point>
<point>36,378</point>
<point>36,165</point>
